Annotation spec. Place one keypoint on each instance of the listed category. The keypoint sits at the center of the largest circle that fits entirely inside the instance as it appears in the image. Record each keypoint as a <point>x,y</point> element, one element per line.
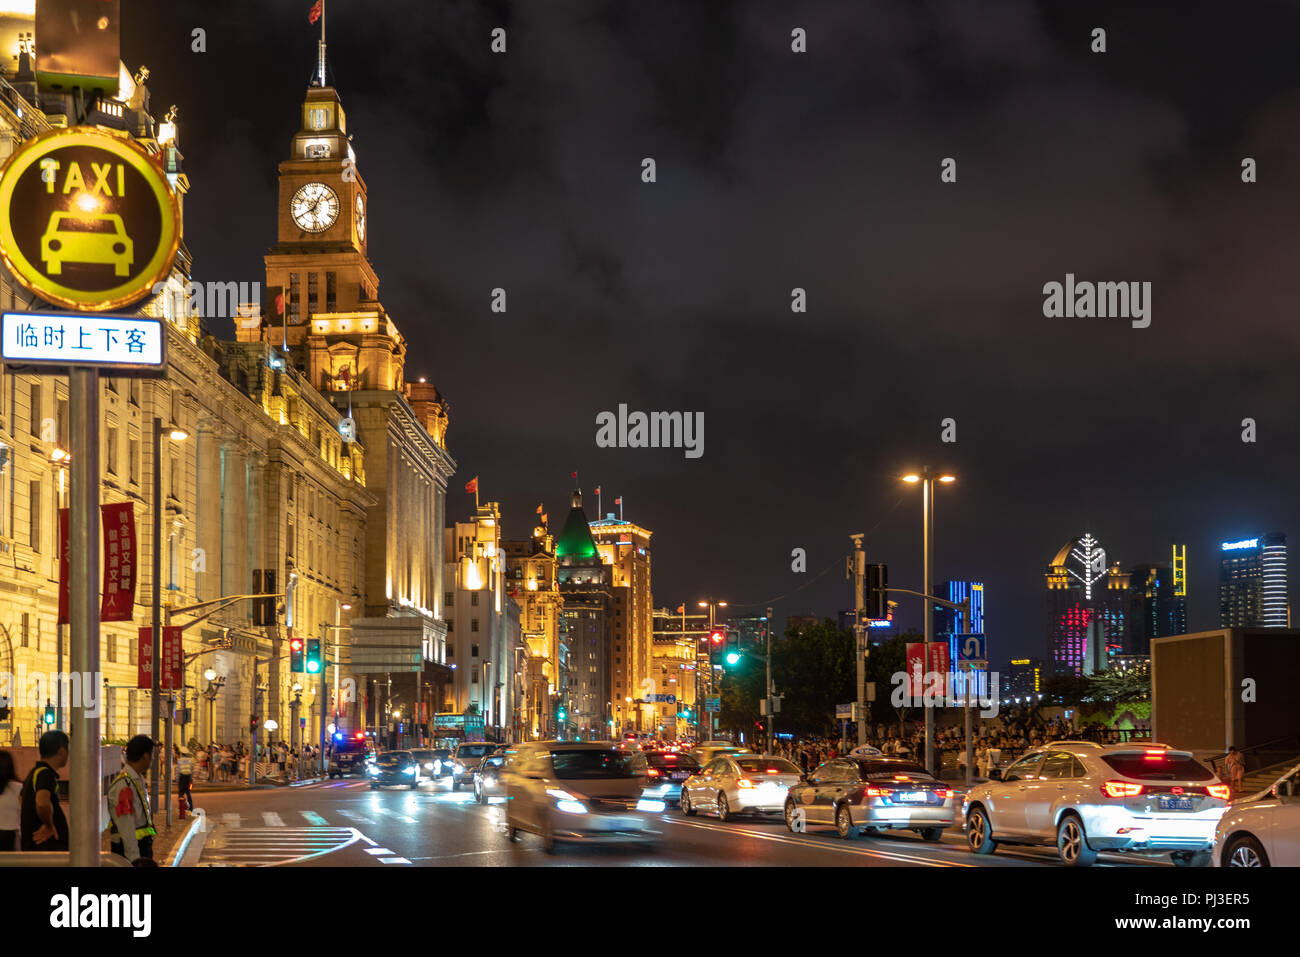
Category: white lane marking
<point>272,819</point>
<point>313,818</point>
<point>393,860</point>
<point>802,842</point>
<point>446,857</point>
<point>354,816</point>
<point>397,814</point>
<point>266,847</point>
<point>378,850</point>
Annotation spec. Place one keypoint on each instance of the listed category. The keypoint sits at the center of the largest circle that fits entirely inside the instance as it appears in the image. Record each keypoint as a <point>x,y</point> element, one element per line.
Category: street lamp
<point>176,434</point>
<point>210,693</point>
<point>60,459</point>
<point>927,480</point>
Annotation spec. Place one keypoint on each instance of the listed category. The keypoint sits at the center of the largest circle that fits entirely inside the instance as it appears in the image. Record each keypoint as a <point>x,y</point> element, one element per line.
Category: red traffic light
<point>295,644</point>
<point>717,637</point>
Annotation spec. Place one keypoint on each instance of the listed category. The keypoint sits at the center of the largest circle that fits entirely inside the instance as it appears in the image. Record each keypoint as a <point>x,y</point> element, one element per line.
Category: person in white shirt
<point>11,789</point>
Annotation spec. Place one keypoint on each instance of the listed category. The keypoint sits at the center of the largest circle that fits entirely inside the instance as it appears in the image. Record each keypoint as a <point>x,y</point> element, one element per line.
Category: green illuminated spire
<point>575,542</point>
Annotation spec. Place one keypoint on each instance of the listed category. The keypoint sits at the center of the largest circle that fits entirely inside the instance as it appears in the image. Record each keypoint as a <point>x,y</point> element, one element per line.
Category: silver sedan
<point>733,784</point>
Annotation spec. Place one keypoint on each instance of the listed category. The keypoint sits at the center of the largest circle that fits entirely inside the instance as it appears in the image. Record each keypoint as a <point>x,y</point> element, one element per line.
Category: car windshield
<point>877,770</point>
<point>586,763</point>
<point>393,759</point>
<point>766,766</point>
<point>672,761</point>
<point>75,224</point>
<point>475,750</point>
<point>1158,767</point>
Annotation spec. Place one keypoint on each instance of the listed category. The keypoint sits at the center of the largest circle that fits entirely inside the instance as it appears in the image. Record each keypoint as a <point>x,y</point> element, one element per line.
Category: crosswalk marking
<point>354,816</point>
<point>230,819</point>
<point>378,850</point>
<point>314,818</point>
<point>393,860</point>
<point>397,814</point>
<point>269,846</point>
<point>272,819</point>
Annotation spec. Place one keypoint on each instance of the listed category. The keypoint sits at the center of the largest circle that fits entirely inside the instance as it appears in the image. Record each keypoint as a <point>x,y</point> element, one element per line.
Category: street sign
<point>971,648</point>
<point>124,345</point>
<point>663,698</point>
<point>89,220</point>
<point>712,704</point>
<point>843,711</point>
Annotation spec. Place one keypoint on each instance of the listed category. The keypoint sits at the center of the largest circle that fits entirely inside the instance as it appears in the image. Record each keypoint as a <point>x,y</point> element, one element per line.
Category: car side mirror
<point>995,774</point>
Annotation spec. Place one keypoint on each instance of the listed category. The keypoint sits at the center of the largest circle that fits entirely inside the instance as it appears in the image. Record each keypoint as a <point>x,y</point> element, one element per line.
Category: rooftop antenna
<point>320,58</point>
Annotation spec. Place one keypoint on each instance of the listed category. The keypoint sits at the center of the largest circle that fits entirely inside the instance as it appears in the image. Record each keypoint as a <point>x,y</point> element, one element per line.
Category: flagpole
<point>599,508</point>
<point>620,508</point>
<point>322,43</point>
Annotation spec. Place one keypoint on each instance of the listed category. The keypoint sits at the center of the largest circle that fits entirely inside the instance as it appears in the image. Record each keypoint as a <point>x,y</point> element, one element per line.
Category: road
<point>345,824</point>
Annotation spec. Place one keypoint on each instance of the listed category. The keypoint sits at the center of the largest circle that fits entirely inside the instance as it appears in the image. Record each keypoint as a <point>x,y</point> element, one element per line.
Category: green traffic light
<point>732,657</point>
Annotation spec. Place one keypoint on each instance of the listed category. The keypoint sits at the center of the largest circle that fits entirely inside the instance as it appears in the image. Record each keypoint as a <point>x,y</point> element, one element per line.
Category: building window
<point>331,292</point>
<point>133,459</point>
<point>313,294</point>
<point>35,411</point>
<point>174,468</point>
<point>473,675</point>
<point>473,624</point>
<point>451,626</point>
<point>34,520</point>
<point>449,599</point>
<point>294,297</point>
<point>111,456</point>
<point>61,424</point>
<point>473,598</point>
<point>110,647</point>
<point>133,391</point>
<point>473,650</point>
<point>27,629</point>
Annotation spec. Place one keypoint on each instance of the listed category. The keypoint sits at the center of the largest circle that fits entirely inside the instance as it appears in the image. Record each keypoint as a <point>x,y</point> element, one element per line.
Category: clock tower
<point>322,290</point>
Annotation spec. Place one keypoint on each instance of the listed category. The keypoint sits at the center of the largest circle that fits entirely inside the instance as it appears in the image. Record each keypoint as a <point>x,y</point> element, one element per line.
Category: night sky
<point>817,170</point>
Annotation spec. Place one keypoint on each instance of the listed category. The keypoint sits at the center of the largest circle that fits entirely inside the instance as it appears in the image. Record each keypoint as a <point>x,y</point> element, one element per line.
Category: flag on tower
<point>574,476</point>
<point>597,489</point>
<point>472,486</point>
<point>619,500</point>
<point>539,508</point>
<point>315,12</point>
<point>681,609</point>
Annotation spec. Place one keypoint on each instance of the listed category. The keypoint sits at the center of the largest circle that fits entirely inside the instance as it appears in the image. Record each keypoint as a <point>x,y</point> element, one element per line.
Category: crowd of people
<point>225,763</point>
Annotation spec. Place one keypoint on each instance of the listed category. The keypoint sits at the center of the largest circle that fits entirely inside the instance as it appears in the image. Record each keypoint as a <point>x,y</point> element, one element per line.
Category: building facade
<point>625,548</point>
<point>532,583</point>
<point>589,603</point>
<point>1087,608</point>
<point>1156,608</point>
<point>1253,583</point>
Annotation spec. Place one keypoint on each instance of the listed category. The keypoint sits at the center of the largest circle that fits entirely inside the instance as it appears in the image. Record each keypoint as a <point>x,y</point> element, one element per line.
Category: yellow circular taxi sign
<point>87,219</point>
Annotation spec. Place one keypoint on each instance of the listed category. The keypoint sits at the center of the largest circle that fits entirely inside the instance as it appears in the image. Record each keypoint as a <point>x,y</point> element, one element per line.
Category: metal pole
<point>859,569</point>
<point>771,745</point>
<point>927,493</point>
<point>85,782</point>
<point>167,784</point>
<point>320,707</point>
<point>970,744</point>
<point>155,691</point>
<point>252,736</point>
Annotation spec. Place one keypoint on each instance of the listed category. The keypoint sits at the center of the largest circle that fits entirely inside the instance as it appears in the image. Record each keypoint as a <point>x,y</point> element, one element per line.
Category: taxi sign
<point>87,219</point>
<point>124,344</point>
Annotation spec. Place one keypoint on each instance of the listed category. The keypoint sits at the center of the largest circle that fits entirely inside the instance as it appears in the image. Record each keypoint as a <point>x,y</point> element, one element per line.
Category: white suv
<point>1086,797</point>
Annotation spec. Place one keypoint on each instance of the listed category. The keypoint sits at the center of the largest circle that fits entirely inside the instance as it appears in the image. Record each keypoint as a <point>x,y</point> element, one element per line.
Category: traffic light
<point>295,655</point>
<point>562,715</point>
<point>877,597</point>
<point>314,662</point>
<point>733,648</point>
<point>49,716</point>
<point>252,724</point>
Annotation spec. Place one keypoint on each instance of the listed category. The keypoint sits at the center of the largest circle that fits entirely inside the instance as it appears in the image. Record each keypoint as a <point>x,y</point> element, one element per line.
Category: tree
<point>1116,685</point>
<point>814,670</point>
<point>884,665</point>
<point>1069,690</point>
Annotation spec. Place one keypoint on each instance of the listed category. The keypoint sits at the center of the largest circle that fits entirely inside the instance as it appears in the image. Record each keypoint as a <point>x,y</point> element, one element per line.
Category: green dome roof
<point>575,542</point>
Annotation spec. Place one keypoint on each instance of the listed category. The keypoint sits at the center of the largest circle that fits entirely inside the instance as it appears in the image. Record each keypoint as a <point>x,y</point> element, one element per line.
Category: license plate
<point>1176,804</point>
<point>679,776</point>
<point>910,796</point>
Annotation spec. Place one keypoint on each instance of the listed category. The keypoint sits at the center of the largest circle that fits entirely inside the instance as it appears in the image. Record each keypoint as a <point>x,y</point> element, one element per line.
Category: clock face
<point>361,218</point>
<point>314,207</point>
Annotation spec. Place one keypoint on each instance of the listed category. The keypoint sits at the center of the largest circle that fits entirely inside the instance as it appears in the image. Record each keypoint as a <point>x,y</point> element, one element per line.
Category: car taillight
<point>653,772</point>
<point>744,783</point>
<point>1220,791</point>
<point>876,792</point>
<point>1120,789</point>
<point>773,771</point>
<point>944,793</point>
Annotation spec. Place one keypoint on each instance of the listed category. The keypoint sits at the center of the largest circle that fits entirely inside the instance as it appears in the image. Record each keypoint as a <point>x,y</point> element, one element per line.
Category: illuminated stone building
<point>262,494</point>
<point>589,603</point>
<point>531,581</point>
<point>625,548</point>
<point>323,310</point>
<point>677,637</point>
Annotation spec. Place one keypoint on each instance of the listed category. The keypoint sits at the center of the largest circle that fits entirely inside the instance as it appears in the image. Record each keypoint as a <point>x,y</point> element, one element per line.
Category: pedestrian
<point>131,830</point>
<point>1236,770</point>
<point>184,777</point>
<point>44,828</point>
<point>11,803</point>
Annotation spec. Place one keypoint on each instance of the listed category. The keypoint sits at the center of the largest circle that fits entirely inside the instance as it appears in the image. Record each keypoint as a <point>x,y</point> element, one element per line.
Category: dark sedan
<point>394,768</point>
<point>870,795</point>
<point>487,776</point>
<point>666,772</point>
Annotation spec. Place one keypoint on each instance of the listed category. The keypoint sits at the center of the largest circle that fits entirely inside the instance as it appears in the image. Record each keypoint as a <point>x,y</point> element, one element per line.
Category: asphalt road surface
<point>343,823</point>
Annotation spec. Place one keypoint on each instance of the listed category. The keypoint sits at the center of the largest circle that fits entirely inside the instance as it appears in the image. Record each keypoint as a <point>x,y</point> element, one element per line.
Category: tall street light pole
<point>927,480</point>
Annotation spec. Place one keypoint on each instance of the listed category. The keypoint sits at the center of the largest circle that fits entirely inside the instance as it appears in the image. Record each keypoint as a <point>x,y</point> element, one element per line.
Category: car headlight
<point>564,801</point>
<point>428,765</point>
<point>458,766</point>
<point>410,770</point>
<point>654,807</point>
<point>372,769</point>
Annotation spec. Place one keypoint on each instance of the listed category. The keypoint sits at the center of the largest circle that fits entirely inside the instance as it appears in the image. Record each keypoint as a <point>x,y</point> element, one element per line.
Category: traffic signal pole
<point>859,568</point>
<point>85,781</point>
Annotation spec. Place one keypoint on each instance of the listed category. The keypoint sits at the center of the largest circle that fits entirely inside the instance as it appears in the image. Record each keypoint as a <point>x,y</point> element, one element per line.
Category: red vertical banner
<point>64,571</point>
<point>144,673</point>
<point>118,603</point>
<point>915,669</point>
<point>939,665</point>
<point>172,659</point>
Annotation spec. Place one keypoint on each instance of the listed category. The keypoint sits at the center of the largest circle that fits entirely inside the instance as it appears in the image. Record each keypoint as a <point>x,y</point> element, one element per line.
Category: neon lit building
<point>1252,583</point>
<point>947,621</point>
<point>1086,608</point>
<point>1157,606</point>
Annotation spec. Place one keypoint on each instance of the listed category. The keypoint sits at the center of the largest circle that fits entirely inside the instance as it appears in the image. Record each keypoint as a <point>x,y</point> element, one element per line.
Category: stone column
<point>207,537</point>
<point>235,579</point>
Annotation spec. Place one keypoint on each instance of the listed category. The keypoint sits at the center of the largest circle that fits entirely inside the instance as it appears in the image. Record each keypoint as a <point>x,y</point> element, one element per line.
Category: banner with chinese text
<point>118,602</point>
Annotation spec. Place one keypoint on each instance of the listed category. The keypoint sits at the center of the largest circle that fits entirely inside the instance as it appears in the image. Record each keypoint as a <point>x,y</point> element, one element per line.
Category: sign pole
<point>155,685</point>
<point>85,782</point>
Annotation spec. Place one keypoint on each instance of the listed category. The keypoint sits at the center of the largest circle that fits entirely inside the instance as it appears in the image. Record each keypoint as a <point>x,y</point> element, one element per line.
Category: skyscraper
<point>1252,583</point>
<point>1086,608</point>
<point>947,621</point>
<point>1156,609</point>
<point>589,603</point>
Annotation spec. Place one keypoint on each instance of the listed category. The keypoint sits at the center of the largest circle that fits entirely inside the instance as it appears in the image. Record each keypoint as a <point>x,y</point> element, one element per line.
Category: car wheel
<point>979,832</point>
<point>685,803</point>
<point>844,823</point>
<point>931,834</point>
<point>1072,843</point>
<point>724,808</point>
<point>789,816</point>
<point>413,786</point>
<point>547,834</point>
<point>478,793</point>
<point>512,832</point>
<point>1245,851</point>
<point>374,787</point>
